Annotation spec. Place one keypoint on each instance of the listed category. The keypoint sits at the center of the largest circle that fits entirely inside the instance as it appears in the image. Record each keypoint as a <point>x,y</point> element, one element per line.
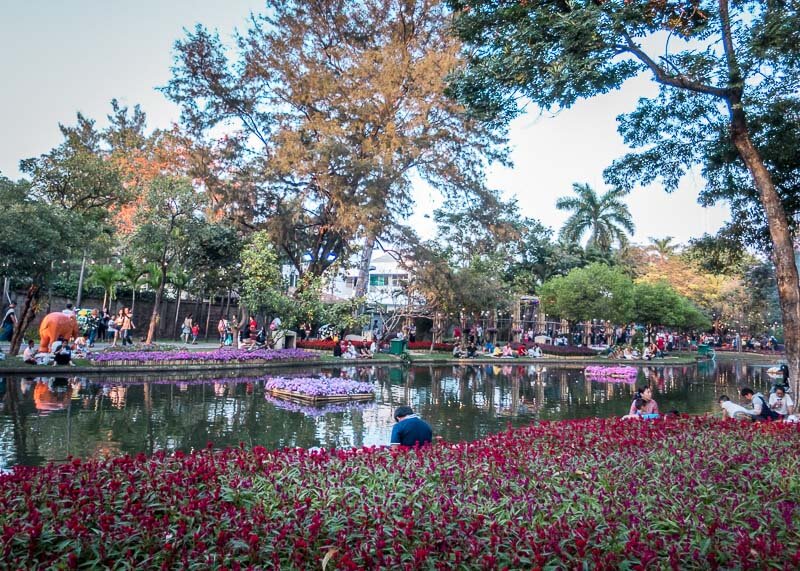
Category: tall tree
<point>606,218</point>
<point>722,67</point>
<point>33,235</point>
<point>337,105</point>
<point>167,217</point>
<point>597,291</point>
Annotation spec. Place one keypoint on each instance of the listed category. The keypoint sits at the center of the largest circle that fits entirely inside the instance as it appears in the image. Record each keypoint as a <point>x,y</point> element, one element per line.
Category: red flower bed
<point>599,494</point>
<point>326,344</point>
<point>426,345</point>
<point>559,350</point>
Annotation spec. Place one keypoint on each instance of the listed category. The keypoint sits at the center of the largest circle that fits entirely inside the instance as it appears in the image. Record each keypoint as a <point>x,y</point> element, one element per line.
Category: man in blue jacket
<point>410,428</point>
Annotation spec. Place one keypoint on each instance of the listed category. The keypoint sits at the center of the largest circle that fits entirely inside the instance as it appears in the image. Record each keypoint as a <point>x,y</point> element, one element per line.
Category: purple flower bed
<point>216,356</point>
<point>317,411</point>
<point>319,387</point>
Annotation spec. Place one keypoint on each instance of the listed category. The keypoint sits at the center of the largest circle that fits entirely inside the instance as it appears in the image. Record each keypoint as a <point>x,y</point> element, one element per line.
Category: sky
<point>58,58</point>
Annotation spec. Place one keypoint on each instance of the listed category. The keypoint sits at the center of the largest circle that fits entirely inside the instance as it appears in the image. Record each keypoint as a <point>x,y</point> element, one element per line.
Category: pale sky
<point>60,57</point>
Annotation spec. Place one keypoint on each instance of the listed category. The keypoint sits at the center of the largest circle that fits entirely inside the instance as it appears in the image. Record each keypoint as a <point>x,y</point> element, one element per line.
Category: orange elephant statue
<point>55,325</point>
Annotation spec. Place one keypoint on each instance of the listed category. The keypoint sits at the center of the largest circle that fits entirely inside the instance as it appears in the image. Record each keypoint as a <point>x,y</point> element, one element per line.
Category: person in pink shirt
<point>650,405</point>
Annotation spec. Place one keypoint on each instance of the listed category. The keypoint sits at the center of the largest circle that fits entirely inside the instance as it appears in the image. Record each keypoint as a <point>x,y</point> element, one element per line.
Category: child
<point>195,333</point>
<point>640,414</point>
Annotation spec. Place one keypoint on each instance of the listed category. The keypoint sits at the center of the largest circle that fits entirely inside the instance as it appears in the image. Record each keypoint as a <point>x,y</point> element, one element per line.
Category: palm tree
<point>605,217</point>
<point>662,247</point>
<point>132,276</point>
<point>106,277</point>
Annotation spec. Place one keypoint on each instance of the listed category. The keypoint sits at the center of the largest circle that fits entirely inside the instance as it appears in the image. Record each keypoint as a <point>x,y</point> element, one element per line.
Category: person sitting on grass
<point>489,349</point>
<point>364,352</point>
<point>337,349</point>
<point>62,354</point>
<point>508,352</point>
<point>472,350</point>
<point>522,351</point>
<point>350,353</point>
<point>29,355</point>
<point>761,410</point>
<point>732,410</point>
<point>457,353</point>
<point>245,340</point>
<point>781,403</point>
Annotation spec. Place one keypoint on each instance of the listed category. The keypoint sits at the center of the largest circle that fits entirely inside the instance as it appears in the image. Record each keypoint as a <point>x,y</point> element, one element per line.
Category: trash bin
<point>704,350</point>
<point>397,346</point>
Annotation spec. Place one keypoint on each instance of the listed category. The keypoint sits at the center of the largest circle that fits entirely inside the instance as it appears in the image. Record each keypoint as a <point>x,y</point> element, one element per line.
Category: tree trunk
<point>177,315</point>
<point>208,316</point>
<point>156,315</point>
<point>29,310</point>
<point>783,246</point>
<point>363,266</point>
<point>133,298</point>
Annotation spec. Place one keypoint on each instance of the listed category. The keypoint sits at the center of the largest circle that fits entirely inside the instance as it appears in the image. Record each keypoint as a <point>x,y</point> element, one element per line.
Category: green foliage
<point>77,175</point>
<point>33,234</point>
<point>594,292</point>
<point>263,285</point>
<point>106,277</point>
<point>659,304</point>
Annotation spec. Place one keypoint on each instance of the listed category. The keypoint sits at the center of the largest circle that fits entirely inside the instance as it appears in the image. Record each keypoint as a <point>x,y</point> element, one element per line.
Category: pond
<point>46,419</point>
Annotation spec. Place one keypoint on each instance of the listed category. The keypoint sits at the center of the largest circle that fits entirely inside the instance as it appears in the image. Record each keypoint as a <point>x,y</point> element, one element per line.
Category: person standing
<point>68,310</point>
<point>92,326</point>
<point>114,326</point>
<point>410,429</point>
<point>127,327</point>
<point>186,329</point>
<point>9,322</point>
<point>102,327</point>
<point>222,329</point>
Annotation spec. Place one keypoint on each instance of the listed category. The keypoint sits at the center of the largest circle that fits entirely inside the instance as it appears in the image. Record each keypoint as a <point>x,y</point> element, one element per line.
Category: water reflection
<point>43,419</point>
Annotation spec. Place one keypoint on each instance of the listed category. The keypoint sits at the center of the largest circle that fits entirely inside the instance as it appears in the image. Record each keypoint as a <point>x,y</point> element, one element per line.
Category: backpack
<point>766,412</point>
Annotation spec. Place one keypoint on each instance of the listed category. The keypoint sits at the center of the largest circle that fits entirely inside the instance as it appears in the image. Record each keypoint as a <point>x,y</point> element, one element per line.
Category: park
<point>401,284</point>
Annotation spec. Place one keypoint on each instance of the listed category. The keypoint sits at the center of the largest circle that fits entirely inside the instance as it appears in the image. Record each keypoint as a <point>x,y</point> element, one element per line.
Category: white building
<point>385,287</point>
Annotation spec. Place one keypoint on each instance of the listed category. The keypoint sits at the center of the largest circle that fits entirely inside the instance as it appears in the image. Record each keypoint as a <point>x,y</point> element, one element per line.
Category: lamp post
<point>80,281</point>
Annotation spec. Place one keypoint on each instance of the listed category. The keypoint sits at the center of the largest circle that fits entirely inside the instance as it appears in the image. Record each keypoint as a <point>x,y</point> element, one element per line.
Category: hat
<point>403,411</point>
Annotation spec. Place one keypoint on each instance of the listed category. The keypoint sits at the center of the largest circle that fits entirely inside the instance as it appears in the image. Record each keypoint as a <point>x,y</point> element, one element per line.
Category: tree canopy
<point>728,87</point>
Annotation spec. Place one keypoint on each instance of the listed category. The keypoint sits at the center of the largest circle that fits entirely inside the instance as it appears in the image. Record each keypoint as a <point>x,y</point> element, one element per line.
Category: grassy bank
<point>600,494</point>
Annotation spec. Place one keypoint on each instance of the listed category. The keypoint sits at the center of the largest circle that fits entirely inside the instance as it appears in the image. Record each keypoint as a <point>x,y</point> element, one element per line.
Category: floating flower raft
<point>312,390</point>
<point>599,373</point>
<point>318,411</point>
<point>184,357</point>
